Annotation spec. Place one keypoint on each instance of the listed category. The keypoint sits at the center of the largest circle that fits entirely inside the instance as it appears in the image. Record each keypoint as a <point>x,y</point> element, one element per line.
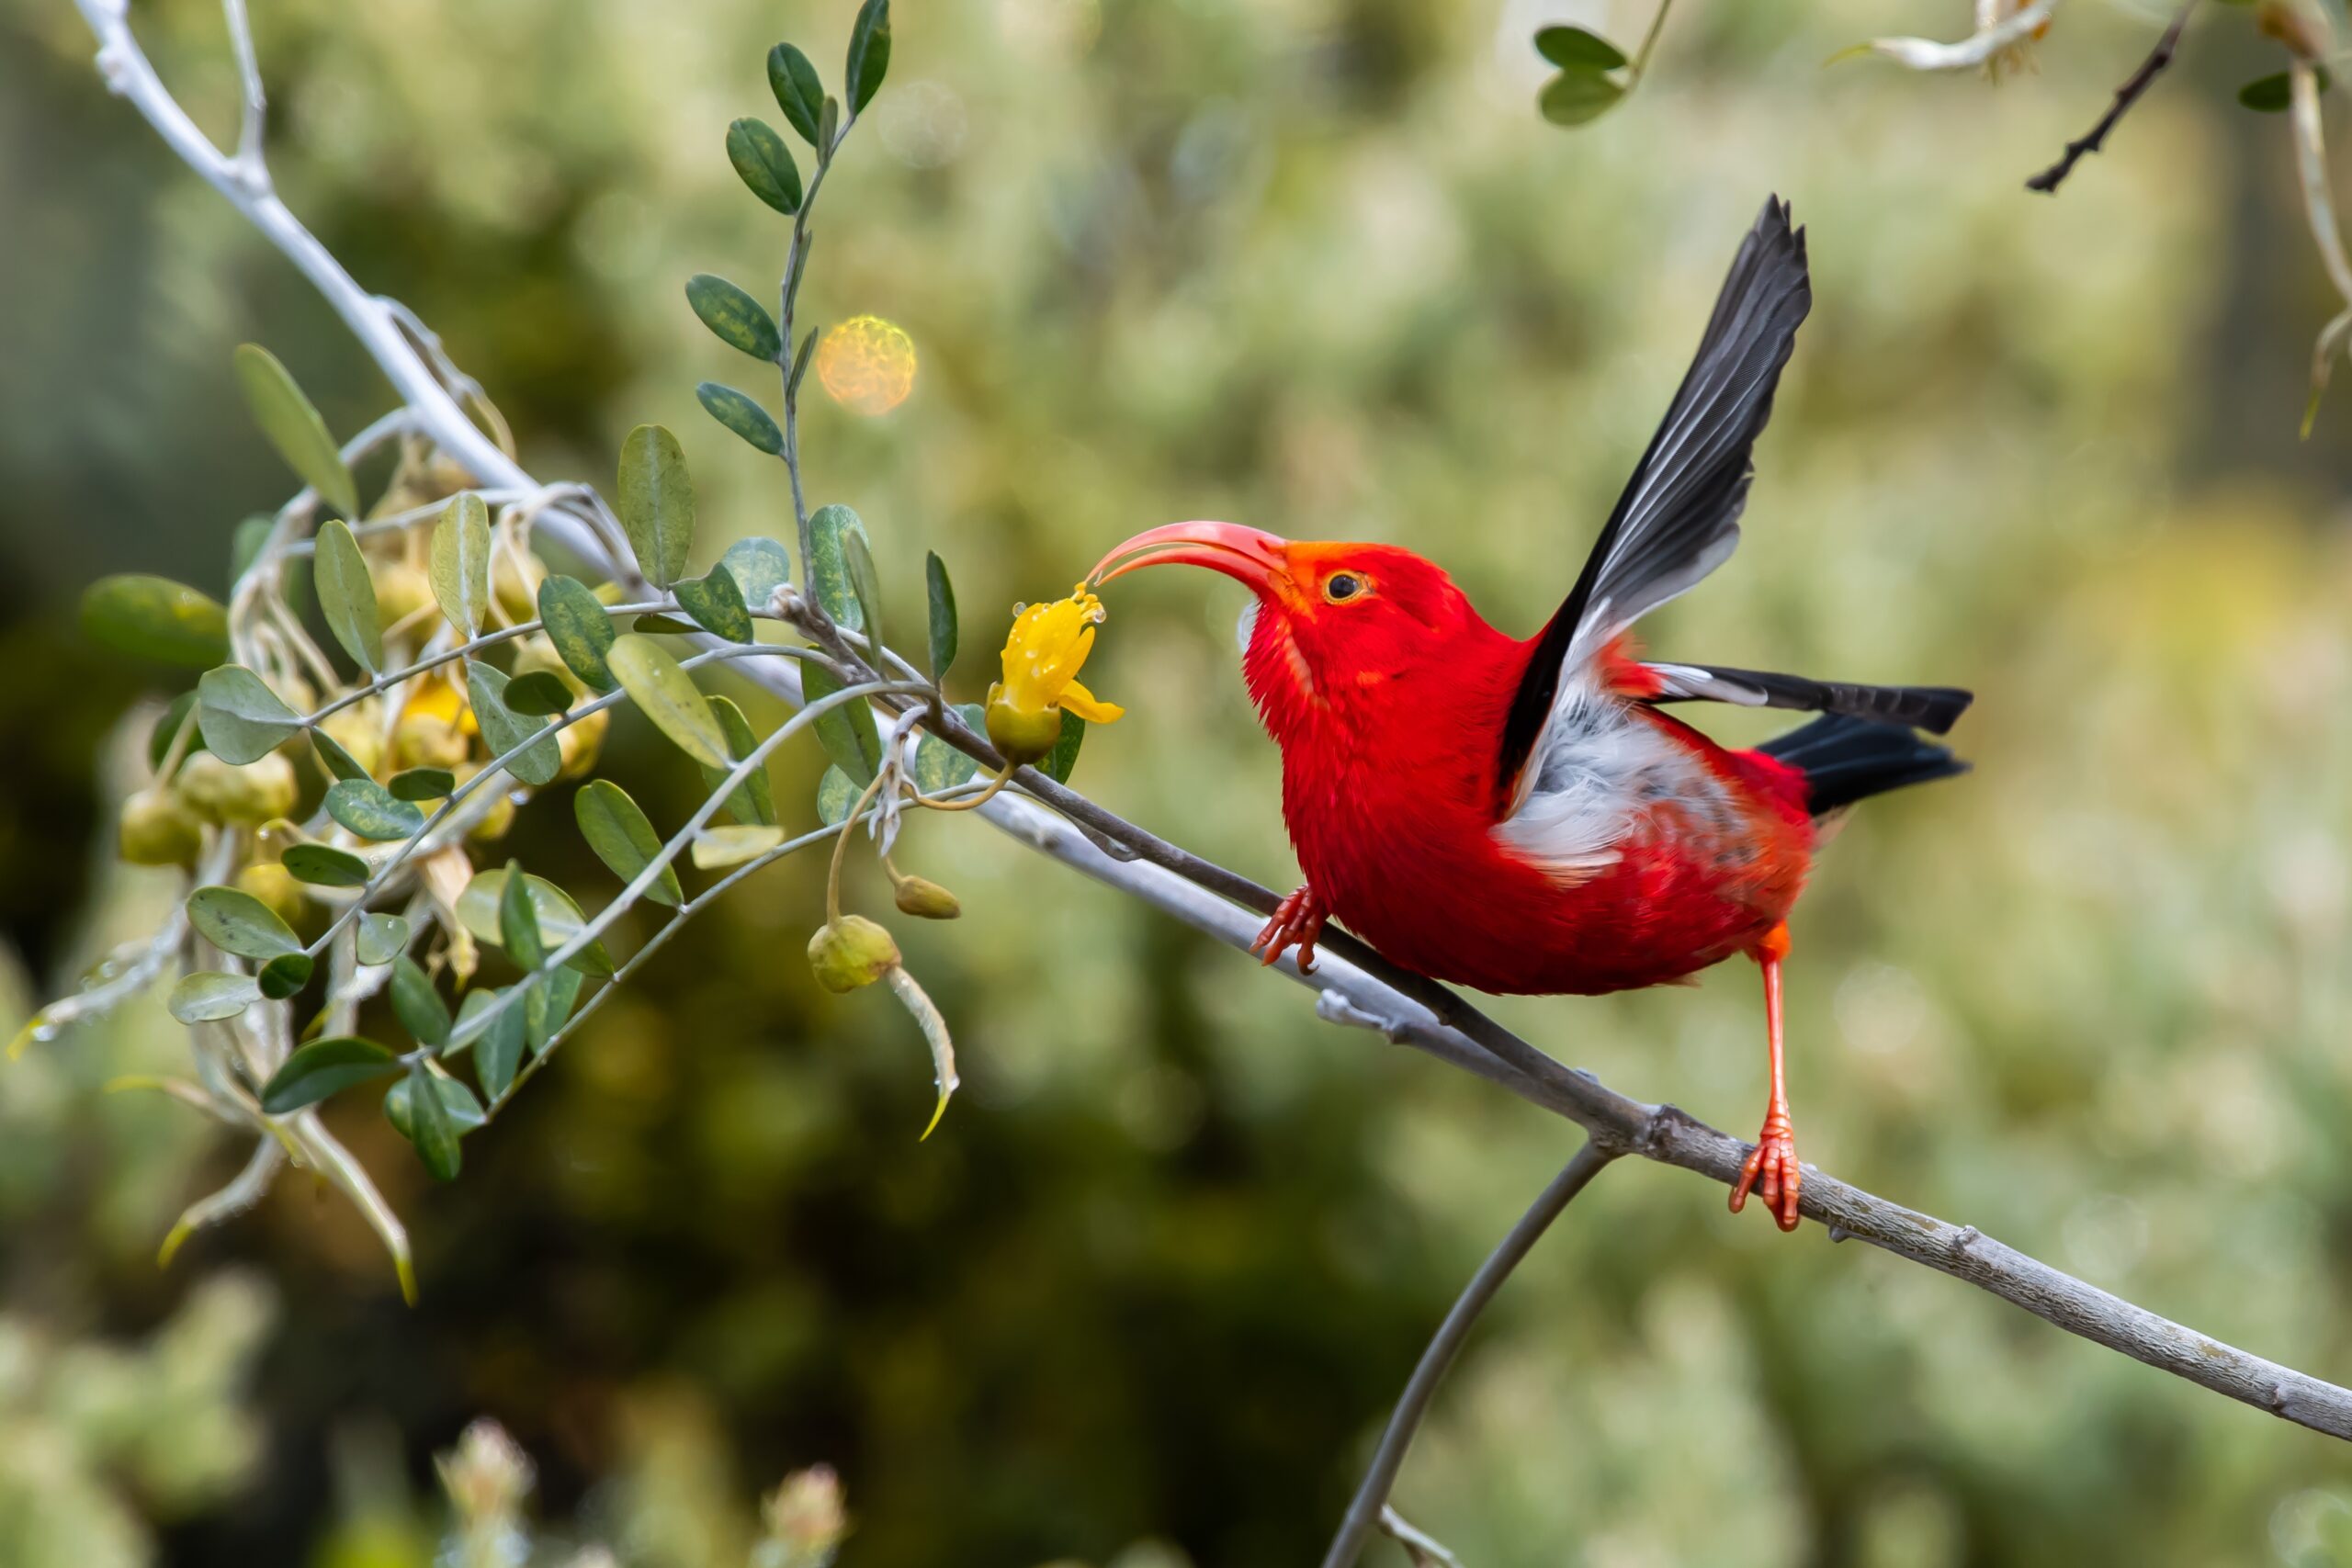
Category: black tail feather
<point>1844,759</point>
<point>1925,708</point>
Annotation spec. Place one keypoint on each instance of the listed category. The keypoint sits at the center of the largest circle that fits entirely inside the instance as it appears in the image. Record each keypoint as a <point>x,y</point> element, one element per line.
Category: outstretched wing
<point>1934,708</point>
<point>1678,517</point>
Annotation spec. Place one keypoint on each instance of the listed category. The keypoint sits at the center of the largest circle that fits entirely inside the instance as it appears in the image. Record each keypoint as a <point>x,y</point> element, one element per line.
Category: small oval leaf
<point>847,732</point>
<point>669,698</point>
<point>1579,96</point>
<point>759,567</point>
<point>657,502</point>
<point>417,1004</point>
<point>294,427</point>
<point>540,761</point>
<point>619,830</point>
<point>381,937</point>
<point>559,917</point>
<point>718,602</point>
<point>580,626</point>
<point>538,692</point>
<point>753,800</point>
<point>765,164</point>
<point>369,810</point>
<point>498,1051</point>
<point>464,1111</point>
<point>836,797</point>
<point>828,575</point>
<point>153,617</point>
<point>739,413</point>
<point>208,997</point>
<point>1060,762</point>
<point>430,1127</point>
<point>942,614</point>
<point>869,55</point>
<point>460,562</point>
<point>715,849</point>
<point>339,763</point>
<point>242,718</point>
<point>734,318</point>
<point>792,77</point>
<point>347,595</point>
<point>235,921</point>
<point>284,975</point>
<point>323,866</point>
<point>322,1067</point>
<point>422,783</point>
<point>1566,47</point>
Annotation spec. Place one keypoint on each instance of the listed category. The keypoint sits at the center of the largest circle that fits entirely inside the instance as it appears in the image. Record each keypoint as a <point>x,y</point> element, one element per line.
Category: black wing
<point>1678,517</point>
<point>1932,708</point>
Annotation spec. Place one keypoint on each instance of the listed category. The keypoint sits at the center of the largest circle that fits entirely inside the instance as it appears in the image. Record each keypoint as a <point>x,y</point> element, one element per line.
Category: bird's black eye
<point>1343,585</point>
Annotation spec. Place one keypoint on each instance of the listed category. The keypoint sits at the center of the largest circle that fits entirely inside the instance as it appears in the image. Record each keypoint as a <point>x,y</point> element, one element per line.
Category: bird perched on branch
<point>1523,816</point>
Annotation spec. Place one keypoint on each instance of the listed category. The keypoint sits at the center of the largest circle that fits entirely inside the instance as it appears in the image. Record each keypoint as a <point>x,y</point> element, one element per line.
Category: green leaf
<point>800,360</point>
<point>321,1068</point>
<point>617,829</point>
<point>664,625</point>
<point>347,595</point>
<point>670,698</point>
<point>865,584</point>
<point>153,617</point>
<point>459,565</point>
<point>558,918</point>
<point>836,797</point>
<point>504,730</point>
<point>417,1004</point>
<point>562,990</point>
<point>1579,96</point>
<point>829,119</point>
<point>167,728</point>
<point>464,1111</point>
<point>581,628</point>
<point>829,576</point>
<point>294,427</point>
<point>422,783</point>
<point>739,413</point>
<point>2274,95</point>
<point>538,692</point>
<point>207,997</point>
<point>430,1128</point>
<point>753,801</point>
<point>518,922</point>
<point>369,809</point>
<point>1058,763</point>
<point>869,54</point>
<point>759,567</point>
<point>942,614</point>
<point>498,1051</point>
<point>284,975</point>
<point>323,866</point>
<point>339,763</point>
<point>939,766</point>
<point>235,921</point>
<point>715,849</point>
<point>765,164</point>
<point>847,732</point>
<point>381,937</point>
<point>734,317</point>
<point>1572,47</point>
<point>657,502</point>
<point>718,602</point>
<point>799,91</point>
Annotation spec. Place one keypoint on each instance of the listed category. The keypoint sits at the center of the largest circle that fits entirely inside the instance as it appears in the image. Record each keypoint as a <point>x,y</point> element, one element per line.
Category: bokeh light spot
<point>868,365</point>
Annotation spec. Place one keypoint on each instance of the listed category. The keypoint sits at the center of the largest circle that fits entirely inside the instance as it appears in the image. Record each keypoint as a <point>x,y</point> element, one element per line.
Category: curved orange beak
<point>1250,556</point>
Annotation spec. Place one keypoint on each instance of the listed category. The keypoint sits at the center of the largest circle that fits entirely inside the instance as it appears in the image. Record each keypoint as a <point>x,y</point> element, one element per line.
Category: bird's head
<point>1337,626</point>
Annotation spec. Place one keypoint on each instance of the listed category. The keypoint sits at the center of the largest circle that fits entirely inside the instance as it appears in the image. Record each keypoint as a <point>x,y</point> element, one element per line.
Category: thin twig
<point>2049,180</point>
<point>1363,1515</point>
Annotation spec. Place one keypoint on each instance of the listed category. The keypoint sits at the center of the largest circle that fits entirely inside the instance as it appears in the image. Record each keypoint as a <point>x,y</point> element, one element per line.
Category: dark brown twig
<point>2048,181</point>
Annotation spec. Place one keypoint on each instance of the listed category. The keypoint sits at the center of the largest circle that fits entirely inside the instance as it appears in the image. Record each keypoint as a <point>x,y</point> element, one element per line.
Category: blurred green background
<point>1317,265</point>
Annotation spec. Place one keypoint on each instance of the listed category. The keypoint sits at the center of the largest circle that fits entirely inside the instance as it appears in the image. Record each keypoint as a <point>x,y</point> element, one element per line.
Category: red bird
<point>1520,816</point>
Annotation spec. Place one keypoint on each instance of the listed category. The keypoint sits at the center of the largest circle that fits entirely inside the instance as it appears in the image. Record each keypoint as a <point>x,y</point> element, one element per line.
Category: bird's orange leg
<point>1771,1167</point>
<point>1298,920</point>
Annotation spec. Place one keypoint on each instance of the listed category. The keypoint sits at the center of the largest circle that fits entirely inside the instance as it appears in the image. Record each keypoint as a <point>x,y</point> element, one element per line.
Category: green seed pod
<point>926,899</point>
<point>247,795</point>
<point>850,952</point>
<point>1022,735</point>
<point>158,829</point>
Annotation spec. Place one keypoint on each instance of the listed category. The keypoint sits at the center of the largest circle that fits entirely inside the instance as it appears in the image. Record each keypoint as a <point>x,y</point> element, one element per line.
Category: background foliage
<point>1317,265</point>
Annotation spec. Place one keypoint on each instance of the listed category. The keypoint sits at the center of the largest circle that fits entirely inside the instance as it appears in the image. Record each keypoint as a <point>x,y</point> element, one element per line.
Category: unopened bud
<point>850,952</point>
<point>926,899</point>
<point>244,795</point>
<point>274,886</point>
<point>1021,735</point>
<point>158,829</point>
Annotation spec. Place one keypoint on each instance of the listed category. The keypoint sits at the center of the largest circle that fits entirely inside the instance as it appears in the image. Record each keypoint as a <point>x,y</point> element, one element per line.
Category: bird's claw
<point>1297,921</point>
<point>1773,1171</point>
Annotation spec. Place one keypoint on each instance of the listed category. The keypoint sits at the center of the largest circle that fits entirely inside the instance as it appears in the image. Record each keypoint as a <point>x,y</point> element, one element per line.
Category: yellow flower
<point>1043,654</point>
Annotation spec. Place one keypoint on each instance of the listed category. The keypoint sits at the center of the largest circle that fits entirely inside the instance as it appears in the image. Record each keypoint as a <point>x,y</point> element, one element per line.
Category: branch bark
<point>1354,984</point>
<point>2050,179</point>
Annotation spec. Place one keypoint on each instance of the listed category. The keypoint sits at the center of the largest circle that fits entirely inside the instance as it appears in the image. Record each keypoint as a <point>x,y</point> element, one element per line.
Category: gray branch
<point>1355,983</point>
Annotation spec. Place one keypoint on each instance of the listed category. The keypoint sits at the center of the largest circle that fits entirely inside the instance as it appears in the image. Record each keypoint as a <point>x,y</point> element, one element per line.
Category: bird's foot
<point>1771,1170</point>
<point>1297,922</point>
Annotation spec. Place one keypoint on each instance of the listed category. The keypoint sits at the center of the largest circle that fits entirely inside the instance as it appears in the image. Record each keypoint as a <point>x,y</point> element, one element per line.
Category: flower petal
<point>1089,707</point>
